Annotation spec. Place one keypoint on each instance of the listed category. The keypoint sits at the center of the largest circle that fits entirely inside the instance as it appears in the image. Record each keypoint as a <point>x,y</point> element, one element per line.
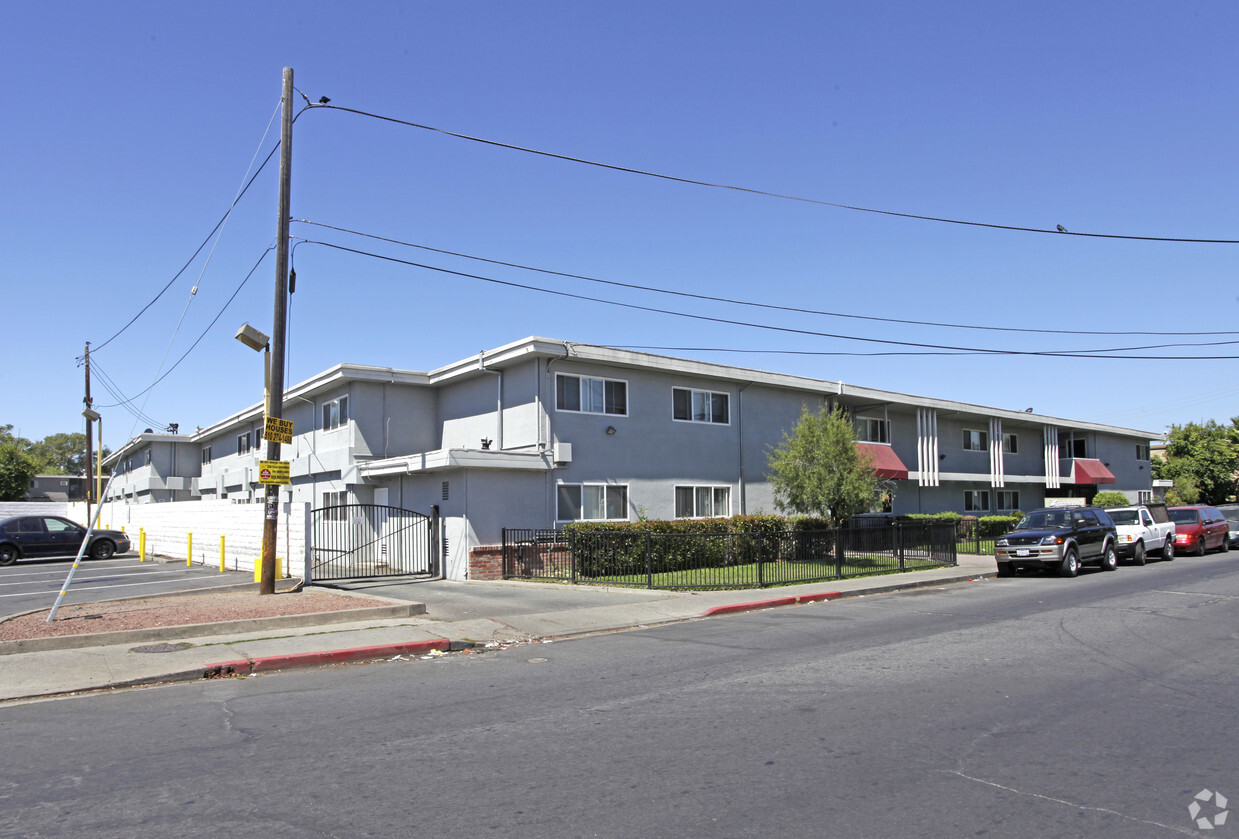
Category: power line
<point>1098,353</point>
<point>1056,231</point>
<point>736,302</point>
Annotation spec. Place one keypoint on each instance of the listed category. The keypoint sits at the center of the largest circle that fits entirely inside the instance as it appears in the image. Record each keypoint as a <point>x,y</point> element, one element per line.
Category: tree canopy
<point>818,469</point>
<point>55,454</point>
<point>1201,458</point>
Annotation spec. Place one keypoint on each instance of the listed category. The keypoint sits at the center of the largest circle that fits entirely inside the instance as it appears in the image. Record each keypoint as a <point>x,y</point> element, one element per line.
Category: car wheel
<point>103,549</point>
<point>1201,550</point>
<point>1110,559</point>
<point>1006,569</point>
<point>1137,558</point>
<point>8,554</point>
<point>1071,564</point>
<point>1225,546</point>
<point>1168,550</point>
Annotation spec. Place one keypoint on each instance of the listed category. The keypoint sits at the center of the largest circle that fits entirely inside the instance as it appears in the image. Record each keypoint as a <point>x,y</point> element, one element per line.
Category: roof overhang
<point>447,459</point>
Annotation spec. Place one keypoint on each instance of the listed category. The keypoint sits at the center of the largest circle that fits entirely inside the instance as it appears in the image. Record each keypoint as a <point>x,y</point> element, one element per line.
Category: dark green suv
<point>1059,539</point>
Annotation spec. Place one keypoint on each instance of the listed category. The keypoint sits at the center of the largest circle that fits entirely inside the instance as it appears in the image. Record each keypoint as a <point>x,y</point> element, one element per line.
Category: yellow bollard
<point>279,564</point>
<point>221,553</point>
<point>141,544</point>
<point>189,552</point>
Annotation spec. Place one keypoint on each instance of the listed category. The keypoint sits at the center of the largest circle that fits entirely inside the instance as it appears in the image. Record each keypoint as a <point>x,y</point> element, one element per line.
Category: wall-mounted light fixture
<point>610,430</point>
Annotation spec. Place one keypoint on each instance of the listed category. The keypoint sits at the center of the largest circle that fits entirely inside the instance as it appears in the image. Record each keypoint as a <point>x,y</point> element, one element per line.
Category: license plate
<point>1022,552</point>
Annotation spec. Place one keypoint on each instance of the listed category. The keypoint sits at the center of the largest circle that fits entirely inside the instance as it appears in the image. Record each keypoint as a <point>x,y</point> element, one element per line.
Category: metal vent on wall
<point>445,488</point>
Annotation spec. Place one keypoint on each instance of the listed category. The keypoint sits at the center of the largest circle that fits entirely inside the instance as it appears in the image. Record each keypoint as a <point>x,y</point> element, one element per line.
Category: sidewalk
<point>457,616</point>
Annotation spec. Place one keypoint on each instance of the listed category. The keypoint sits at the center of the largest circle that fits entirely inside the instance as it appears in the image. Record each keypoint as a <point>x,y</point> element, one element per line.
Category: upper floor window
<point>592,502</point>
<point>873,430</point>
<point>700,502</point>
<point>591,396</point>
<point>335,413</point>
<point>148,457</point>
<point>699,406</point>
<point>206,454</point>
<point>1010,445</point>
<point>243,443</point>
<point>1142,451</point>
<point>975,441</point>
<point>1071,446</point>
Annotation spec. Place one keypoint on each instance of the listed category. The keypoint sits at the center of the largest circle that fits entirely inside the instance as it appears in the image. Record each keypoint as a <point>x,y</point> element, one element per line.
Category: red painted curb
<point>748,607</point>
<point>280,662</point>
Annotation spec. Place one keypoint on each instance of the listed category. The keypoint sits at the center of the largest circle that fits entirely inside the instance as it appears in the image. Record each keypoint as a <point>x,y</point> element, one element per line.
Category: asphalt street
<point>34,583</point>
<point>1101,706</point>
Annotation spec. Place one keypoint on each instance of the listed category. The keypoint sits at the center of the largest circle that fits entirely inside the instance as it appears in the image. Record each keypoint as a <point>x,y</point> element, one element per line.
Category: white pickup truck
<point>1143,529</point>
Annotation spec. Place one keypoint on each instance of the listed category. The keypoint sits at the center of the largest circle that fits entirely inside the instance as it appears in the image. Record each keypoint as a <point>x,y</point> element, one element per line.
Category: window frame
<point>979,435</point>
<point>620,490</point>
<point>1144,452</point>
<point>708,397</point>
<point>609,386</point>
<point>1010,444</point>
<point>694,490</point>
<point>243,444</point>
<point>334,414</point>
<point>972,496</point>
<point>1012,495</point>
<point>865,435</point>
<point>206,455</point>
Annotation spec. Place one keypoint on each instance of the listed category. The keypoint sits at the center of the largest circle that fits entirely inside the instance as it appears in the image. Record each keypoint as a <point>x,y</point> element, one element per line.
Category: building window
<point>206,454</point>
<point>591,396</point>
<point>1071,446</point>
<point>699,406</point>
<point>1010,445</point>
<point>702,502</point>
<point>873,430</point>
<point>335,413</point>
<point>592,502</point>
<point>1144,496</point>
<point>975,441</point>
<point>243,443</point>
<point>976,501</point>
<point>333,504</point>
<point>1008,501</point>
<point>148,457</point>
<point>1142,451</point>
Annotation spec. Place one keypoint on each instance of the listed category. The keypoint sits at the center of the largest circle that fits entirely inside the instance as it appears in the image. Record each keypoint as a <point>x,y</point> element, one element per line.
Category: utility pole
<point>89,455</point>
<point>266,584</point>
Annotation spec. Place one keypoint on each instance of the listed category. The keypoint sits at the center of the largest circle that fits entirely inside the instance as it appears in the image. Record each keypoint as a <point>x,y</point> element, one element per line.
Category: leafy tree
<point>818,470</point>
<point>17,468</point>
<point>63,454</point>
<point>1110,499</point>
<point>1204,457</point>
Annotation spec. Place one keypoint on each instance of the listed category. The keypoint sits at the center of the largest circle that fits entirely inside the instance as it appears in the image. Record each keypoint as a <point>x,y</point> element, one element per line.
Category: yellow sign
<point>278,430</point>
<point>273,472</point>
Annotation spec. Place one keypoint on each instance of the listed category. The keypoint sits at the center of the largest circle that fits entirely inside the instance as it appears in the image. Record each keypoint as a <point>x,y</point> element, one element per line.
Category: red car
<point>1199,528</point>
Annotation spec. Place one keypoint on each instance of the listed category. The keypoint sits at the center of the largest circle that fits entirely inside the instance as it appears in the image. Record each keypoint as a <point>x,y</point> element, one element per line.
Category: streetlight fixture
<point>258,341</point>
<point>92,415</point>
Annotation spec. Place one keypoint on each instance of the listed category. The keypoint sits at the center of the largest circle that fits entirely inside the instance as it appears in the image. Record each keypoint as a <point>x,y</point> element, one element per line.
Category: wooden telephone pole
<point>266,584</point>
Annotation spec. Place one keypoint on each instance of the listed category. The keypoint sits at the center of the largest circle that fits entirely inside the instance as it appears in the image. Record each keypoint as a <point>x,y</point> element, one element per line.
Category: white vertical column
<point>997,474</point>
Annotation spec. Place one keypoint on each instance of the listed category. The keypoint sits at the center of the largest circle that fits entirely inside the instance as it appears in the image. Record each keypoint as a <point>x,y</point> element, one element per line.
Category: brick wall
<point>486,562</point>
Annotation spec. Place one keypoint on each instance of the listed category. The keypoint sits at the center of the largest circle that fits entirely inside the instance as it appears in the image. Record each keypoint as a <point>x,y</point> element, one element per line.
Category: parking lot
<point>34,583</point>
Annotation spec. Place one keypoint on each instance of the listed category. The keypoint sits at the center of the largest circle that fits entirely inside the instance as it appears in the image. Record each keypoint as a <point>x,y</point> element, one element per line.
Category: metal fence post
<point>761,559</point>
<point>838,553</point>
<point>649,560</point>
<point>436,541</point>
<point>899,545</point>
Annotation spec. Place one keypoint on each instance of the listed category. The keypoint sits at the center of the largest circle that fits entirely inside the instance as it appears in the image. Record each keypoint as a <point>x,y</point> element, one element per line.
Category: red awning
<point>884,460</point>
<point>1084,471</point>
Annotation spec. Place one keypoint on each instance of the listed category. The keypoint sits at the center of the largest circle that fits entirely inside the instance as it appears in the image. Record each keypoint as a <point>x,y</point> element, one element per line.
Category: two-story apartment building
<point>542,432</point>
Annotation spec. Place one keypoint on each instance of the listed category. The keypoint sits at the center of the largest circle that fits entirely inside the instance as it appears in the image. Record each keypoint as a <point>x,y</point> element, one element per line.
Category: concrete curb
<point>245,666</point>
<point>776,602</point>
<point>200,630</point>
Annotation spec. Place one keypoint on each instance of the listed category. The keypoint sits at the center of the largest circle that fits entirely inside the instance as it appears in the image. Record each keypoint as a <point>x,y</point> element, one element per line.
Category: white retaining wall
<point>34,508</point>
<point>168,527</point>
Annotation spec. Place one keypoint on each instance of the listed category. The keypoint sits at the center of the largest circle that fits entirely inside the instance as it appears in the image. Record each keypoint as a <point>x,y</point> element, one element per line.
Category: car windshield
<point>1043,519</point>
<point>1185,516</point>
<point>1125,516</point>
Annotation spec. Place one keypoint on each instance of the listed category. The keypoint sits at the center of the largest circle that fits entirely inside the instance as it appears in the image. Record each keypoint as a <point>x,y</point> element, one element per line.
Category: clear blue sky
<point>129,127</point>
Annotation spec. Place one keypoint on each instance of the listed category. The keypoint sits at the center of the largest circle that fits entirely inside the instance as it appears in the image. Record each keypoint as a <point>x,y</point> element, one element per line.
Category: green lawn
<point>773,573</point>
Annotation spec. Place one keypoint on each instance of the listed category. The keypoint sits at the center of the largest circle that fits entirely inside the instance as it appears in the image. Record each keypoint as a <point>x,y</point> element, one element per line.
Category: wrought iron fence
<point>724,560</point>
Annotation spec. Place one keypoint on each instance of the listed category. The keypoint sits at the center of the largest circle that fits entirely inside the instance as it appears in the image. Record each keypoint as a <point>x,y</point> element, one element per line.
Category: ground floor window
<point>1008,500</point>
<point>702,502</point>
<point>592,502</point>
<point>976,501</point>
<point>334,502</point>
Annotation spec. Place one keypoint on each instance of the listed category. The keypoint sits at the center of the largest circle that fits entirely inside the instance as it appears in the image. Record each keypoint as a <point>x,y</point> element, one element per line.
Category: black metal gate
<point>369,540</point>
